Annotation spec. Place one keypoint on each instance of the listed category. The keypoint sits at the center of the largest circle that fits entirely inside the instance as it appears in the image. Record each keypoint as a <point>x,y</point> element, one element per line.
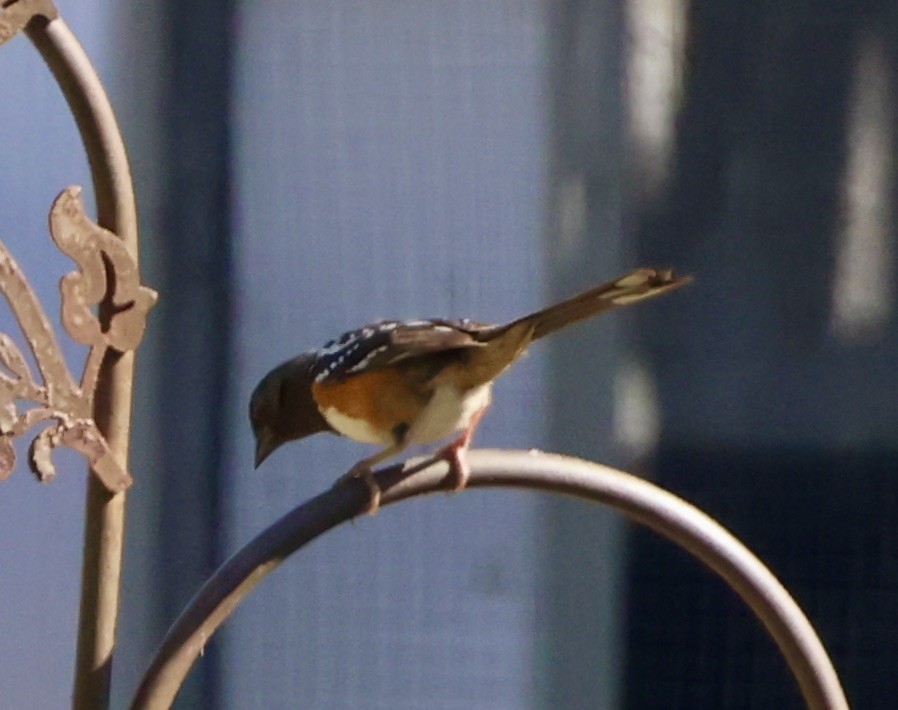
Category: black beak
<point>265,444</point>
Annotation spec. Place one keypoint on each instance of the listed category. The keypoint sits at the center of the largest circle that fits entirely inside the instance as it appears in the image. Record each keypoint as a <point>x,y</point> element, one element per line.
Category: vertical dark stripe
<point>195,244</point>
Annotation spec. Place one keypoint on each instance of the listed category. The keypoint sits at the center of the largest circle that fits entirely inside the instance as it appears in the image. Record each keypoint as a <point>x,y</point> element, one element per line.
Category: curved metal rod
<point>117,212</point>
<point>639,500</point>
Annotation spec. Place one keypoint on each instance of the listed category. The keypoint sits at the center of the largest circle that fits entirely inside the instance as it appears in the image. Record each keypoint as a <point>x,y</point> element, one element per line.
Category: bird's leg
<point>455,453</point>
<point>364,469</point>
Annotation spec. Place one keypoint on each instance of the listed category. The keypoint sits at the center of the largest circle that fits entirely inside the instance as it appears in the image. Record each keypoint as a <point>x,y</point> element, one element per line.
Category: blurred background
<point>305,167</point>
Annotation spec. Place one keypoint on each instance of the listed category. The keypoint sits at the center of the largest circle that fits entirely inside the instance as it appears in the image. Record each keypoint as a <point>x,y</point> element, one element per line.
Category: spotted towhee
<point>397,383</point>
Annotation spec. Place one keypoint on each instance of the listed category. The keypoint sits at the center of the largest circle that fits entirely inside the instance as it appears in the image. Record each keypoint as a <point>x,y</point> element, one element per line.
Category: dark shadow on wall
<point>192,331</point>
<point>824,523</point>
<point>771,421</point>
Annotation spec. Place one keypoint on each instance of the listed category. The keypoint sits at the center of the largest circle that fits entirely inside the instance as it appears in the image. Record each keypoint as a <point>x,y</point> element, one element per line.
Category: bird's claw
<point>362,470</point>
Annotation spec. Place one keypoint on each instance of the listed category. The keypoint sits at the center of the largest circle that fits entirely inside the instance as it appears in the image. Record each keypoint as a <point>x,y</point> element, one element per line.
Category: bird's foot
<point>362,470</point>
<point>455,454</point>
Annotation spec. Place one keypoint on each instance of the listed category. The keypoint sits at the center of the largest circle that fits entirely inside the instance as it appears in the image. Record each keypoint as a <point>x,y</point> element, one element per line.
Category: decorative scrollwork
<point>15,14</point>
<point>106,272</point>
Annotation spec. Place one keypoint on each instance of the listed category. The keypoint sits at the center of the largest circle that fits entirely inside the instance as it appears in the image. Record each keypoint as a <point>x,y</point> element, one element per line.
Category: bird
<point>398,383</point>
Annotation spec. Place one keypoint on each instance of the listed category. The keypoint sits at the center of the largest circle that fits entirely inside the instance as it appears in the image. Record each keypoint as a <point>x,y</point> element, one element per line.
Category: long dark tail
<point>633,287</point>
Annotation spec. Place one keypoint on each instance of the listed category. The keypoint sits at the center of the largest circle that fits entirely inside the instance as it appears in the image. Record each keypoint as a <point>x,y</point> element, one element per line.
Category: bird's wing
<point>387,343</point>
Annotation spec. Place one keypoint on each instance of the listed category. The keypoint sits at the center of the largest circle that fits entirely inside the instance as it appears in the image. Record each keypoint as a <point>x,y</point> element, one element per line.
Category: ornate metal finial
<point>106,270</point>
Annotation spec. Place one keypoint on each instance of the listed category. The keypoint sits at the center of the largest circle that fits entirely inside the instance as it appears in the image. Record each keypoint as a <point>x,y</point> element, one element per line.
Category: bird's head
<point>282,409</point>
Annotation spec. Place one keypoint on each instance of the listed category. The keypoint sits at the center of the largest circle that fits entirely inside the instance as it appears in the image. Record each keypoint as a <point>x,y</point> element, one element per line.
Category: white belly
<point>447,412</point>
<point>357,429</point>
